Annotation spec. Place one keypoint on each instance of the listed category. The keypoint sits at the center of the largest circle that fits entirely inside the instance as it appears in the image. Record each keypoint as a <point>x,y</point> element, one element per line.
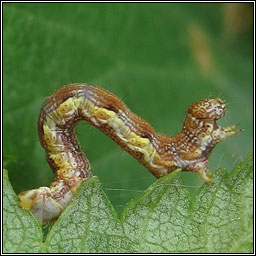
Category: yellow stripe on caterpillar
<point>63,160</point>
<point>103,114</point>
<point>67,108</point>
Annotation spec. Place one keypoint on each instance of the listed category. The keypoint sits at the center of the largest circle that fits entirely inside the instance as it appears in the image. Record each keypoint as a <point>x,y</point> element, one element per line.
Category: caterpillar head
<point>208,109</point>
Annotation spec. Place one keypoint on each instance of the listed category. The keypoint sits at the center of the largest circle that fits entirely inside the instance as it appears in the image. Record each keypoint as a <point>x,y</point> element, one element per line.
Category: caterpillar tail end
<point>45,206</point>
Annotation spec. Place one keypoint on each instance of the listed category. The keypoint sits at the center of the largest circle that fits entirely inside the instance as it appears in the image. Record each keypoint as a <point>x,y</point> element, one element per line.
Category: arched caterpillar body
<point>188,150</point>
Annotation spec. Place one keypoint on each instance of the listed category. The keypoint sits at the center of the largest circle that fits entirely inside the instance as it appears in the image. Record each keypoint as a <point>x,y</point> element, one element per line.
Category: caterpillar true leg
<point>188,150</point>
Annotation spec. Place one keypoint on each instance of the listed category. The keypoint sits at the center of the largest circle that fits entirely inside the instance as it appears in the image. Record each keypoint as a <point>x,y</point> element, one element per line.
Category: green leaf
<point>21,231</point>
<point>163,219</point>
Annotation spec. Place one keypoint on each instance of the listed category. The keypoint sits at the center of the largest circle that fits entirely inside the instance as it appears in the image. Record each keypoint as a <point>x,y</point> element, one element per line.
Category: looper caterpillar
<point>188,150</point>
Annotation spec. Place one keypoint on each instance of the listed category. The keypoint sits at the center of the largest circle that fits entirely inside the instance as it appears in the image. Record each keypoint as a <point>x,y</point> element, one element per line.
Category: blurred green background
<point>158,58</point>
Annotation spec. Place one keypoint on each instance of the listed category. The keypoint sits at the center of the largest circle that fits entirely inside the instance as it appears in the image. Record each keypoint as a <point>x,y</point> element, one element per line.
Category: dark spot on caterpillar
<point>82,174</point>
<point>207,150</point>
<point>110,107</point>
<point>147,136</point>
<point>65,97</point>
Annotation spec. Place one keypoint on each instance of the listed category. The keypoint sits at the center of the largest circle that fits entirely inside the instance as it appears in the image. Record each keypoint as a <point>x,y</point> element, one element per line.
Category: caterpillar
<point>160,154</point>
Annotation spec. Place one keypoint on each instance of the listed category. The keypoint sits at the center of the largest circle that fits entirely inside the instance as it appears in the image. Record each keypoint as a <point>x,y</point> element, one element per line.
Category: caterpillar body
<point>160,154</point>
